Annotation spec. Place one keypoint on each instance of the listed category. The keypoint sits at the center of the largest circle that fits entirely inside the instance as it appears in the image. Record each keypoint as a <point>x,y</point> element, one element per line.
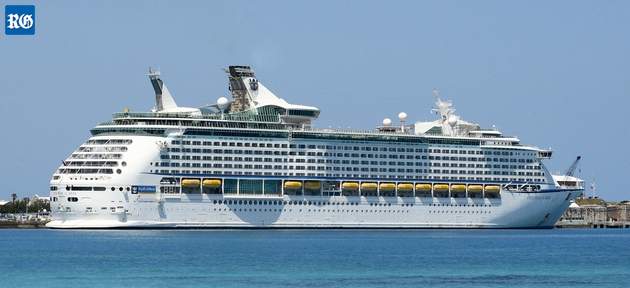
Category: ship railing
<point>393,133</point>
<point>190,116</point>
<point>253,196</point>
<point>156,115</point>
<point>351,131</point>
<point>266,118</point>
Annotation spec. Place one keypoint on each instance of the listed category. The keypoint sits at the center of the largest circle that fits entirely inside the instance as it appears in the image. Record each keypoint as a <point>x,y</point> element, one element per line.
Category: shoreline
<point>23,225</point>
<point>42,225</point>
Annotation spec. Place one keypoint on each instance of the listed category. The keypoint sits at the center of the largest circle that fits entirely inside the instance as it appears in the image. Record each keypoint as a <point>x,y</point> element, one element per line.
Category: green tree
<point>19,206</point>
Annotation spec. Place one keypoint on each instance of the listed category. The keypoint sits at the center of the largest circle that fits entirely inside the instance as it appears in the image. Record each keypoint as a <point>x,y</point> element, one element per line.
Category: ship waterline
<point>256,162</point>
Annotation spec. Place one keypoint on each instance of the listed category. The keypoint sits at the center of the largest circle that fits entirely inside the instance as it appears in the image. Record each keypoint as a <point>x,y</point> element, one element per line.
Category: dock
<point>591,213</point>
<point>21,220</point>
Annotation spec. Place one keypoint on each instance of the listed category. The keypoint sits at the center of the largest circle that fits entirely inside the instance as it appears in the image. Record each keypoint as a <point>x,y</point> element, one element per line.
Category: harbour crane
<point>571,169</point>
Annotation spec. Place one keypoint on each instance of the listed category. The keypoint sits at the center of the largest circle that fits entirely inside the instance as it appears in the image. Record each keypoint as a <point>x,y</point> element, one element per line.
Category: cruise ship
<point>256,161</point>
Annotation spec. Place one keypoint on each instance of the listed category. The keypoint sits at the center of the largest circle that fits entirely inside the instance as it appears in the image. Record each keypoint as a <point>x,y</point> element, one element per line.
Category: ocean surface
<point>315,258</point>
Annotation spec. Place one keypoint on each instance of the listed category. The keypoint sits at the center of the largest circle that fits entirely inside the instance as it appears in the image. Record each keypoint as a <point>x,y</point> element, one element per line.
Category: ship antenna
<point>436,93</point>
<point>442,108</point>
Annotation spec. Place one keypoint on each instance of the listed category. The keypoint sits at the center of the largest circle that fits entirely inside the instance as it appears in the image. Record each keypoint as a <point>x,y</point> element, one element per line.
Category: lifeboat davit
<point>405,187</point>
<point>387,186</point>
<point>292,185</point>
<point>190,183</point>
<point>492,188</point>
<point>440,187</point>
<point>211,183</point>
<point>350,186</point>
<point>368,186</point>
<point>475,188</point>
<point>423,187</point>
<point>312,185</point>
<point>458,188</point>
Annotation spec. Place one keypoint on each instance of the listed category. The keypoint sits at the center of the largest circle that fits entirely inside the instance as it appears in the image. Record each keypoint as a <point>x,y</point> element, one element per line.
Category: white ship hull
<point>259,164</point>
<point>512,210</point>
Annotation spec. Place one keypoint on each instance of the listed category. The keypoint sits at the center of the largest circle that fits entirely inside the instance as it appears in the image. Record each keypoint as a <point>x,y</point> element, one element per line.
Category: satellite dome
<point>387,122</point>
<point>402,116</point>
<point>222,102</point>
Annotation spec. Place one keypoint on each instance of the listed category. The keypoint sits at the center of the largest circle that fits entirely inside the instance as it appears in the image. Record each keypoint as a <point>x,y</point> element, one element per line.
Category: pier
<point>596,213</point>
<point>34,220</point>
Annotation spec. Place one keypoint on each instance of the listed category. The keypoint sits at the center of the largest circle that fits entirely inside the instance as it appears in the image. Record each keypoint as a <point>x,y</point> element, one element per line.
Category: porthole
<point>120,189</point>
<point>123,163</point>
<point>118,171</point>
<point>128,189</point>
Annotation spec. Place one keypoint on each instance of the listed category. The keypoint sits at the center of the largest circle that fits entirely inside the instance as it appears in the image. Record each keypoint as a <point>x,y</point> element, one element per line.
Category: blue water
<point>315,258</point>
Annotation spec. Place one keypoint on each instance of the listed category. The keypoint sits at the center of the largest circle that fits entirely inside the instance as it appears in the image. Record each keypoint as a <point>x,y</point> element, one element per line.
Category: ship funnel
<point>242,84</point>
<point>163,98</point>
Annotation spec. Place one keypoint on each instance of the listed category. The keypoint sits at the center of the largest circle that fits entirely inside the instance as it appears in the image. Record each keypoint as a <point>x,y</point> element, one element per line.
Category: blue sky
<point>554,73</point>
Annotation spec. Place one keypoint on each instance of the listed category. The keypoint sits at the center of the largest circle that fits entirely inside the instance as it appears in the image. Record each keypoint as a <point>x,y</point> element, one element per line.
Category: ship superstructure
<point>257,161</point>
